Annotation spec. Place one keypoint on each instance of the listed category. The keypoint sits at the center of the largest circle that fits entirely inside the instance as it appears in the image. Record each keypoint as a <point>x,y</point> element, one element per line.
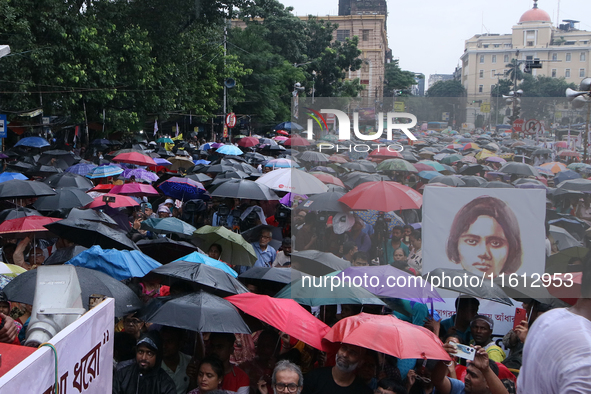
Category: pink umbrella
<point>135,189</point>
<point>280,138</point>
<point>296,141</point>
<point>135,158</point>
<point>118,201</point>
<point>469,159</point>
<point>494,159</point>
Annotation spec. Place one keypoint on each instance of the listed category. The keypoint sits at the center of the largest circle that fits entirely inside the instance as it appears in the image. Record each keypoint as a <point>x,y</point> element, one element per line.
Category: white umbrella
<point>292,180</point>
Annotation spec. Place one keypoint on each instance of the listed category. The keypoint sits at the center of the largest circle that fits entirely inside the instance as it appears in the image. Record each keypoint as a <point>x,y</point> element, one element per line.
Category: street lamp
<point>297,88</point>
<point>514,99</point>
<point>313,84</point>
<point>578,99</point>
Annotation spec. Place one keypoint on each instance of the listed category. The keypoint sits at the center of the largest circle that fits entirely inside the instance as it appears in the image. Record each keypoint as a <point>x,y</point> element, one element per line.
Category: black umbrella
<point>226,176</point>
<point>62,255</point>
<point>19,166</point>
<point>255,157</point>
<point>17,188</point>
<point>43,171</point>
<point>242,188</point>
<point>202,312</point>
<point>22,289</point>
<point>67,198</point>
<point>498,185</point>
<point>449,180</point>
<point>93,216</point>
<point>326,202</point>
<point>317,263</point>
<point>519,169</point>
<point>245,167</point>
<point>473,181</point>
<point>356,178</point>
<point>199,177</point>
<point>202,276</point>
<point>360,165</point>
<point>470,284</point>
<point>472,169</point>
<point>20,212</point>
<point>88,233</point>
<point>68,179</point>
<point>219,168</point>
<point>273,149</point>
<point>579,185</point>
<point>273,279</point>
<point>523,288</point>
<point>166,250</point>
<point>336,189</point>
<point>67,157</point>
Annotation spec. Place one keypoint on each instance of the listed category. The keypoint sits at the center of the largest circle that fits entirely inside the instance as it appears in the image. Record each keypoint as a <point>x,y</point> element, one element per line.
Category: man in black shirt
<point>341,378</point>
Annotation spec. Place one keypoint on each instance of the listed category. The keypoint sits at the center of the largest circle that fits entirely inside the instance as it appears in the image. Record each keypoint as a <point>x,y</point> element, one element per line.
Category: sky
<point>428,36</point>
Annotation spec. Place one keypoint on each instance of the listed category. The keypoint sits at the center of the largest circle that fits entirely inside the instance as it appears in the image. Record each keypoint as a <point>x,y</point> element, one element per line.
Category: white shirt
<point>557,355</point>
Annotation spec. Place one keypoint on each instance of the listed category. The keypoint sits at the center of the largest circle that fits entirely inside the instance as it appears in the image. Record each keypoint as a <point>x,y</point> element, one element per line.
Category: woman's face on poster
<point>483,248</point>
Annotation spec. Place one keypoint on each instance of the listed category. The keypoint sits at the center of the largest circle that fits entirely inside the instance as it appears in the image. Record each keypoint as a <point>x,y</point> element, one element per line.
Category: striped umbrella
<point>554,166</point>
<point>104,171</point>
<point>81,169</point>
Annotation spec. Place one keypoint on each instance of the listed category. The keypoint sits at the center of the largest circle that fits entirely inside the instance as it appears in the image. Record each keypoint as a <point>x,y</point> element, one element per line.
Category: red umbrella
<point>284,314</point>
<point>103,188</point>
<point>135,189</point>
<point>248,142</point>
<point>569,153</point>
<point>561,144</point>
<point>135,158</point>
<point>382,196</point>
<point>389,335</point>
<point>569,290</point>
<point>338,159</point>
<point>423,167</point>
<point>385,153</point>
<point>282,132</point>
<point>296,140</point>
<point>28,224</point>
<point>119,201</point>
<point>327,178</point>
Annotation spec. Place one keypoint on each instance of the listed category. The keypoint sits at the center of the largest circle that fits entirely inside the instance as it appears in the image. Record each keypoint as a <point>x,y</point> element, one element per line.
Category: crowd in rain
<point>206,247</point>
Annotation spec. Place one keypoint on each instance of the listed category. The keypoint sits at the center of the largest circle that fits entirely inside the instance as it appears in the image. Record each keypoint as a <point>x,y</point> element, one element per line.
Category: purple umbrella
<point>216,145</point>
<point>494,159</point>
<point>162,162</point>
<point>412,287</point>
<point>81,169</point>
<point>289,198</point>
<point>140,174</point>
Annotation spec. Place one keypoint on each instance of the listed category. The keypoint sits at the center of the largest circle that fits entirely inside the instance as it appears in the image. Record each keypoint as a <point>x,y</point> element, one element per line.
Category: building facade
<point>564,52</point>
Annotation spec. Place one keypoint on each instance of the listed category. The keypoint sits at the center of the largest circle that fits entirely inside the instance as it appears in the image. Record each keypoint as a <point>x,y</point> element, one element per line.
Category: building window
<point>497,45</point>
<point>485,45</point>
<point>508,45</point>
<point>568,56</point>
<point>365,67</point>
<point>530,38</point>
<point>342,35</point>
<point>492,73</point>
<point>480,88</point>
<point>582,57</point>
<point>506,59</point>
<point>582,73</point>
<point>365,35</point>
<point>481,74</point>
<point>481,59</point>
<point>554,57</point>
<point>492,87</point>
<point>553,73</point>
<point>567,73</point>
<point>494,58</point>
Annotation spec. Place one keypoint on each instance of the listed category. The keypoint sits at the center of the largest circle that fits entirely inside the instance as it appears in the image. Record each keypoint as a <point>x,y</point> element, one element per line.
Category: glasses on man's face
<point>290,387</point>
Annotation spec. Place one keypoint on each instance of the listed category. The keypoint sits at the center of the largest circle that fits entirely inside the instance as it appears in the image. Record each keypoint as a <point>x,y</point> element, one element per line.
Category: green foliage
<point>541,86</point>
<point>396,79</point>
<point>513,71</point>
<point>449,88</point>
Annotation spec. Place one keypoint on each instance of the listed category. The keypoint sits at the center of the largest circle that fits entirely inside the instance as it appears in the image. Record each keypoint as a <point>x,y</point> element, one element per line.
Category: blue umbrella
<point>565,176</point>
<point>201,161</point>
<point>197,257</point>
<point>371,217</point>
<point>81,169</point>
<point>104,171</point>
<point>428,174</point>
<point>289,126</point>
<point>8,176</point>
<point>230,150</point>
<point>119,264</point>
<point>183,189</point>
<point>33,142</point>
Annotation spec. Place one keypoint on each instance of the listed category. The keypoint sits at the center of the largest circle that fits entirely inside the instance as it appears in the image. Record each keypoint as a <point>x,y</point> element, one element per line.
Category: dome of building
<point>535,15</point>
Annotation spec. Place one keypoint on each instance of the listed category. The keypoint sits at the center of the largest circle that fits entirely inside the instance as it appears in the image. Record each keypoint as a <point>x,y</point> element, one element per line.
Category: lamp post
<point>313,85</point>
<point>514,99</point>
<point>297,88</point>
<point>578,99</point>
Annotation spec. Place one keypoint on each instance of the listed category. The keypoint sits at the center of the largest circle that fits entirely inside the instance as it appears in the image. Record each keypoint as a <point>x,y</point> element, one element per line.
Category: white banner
<point>484,231</point>
<point>85,358</point>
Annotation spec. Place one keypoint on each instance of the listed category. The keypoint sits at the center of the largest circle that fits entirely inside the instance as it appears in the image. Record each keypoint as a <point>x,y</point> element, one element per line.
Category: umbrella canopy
<point>17,188</point>
<point>296,140</point>
<point>135,158</point>
<point>244,189</point>
<point>328,179</point>
<point>428,174</point>
<point>66,198</point>
<point>356,178</point>
<point>389,335</point>
<point>317,263</point>
<point>140,174</point>
<point>304,292</point>
<point>315,157</point>
<point>93,216</point>
<point>497,185</point>
<point>135,189</point>
<point>119,264</point>
<point>382,196</point>
<point>396,165</point>
<point>26,225</point>
<point>202,258</point>
<point>199,177</point>
<point>33,142</point>
<point>360,165</point>
<point>328,202</point>
<point>104,172</point>
<point>165,250</point>
<point>473,181</point>
<point>565,176</point>
<point>68,179</point>
<point>112,200</point>
<point>562,261</point>
<point>292,180</point>
<point>235,249</point>
<point>89,233</point>
<point>248,142</point>
<point>289,126</point>
<point>11,271</point>
<point>62,255</point>
<point>285,315</point>
<point>579,185</point>
<point>519,169</point>
<point>183,189</point>
<point>180,162</point>
<point>371,217</point>
<point>451,159</point>
<point>168,226</point>
<point>554,166</point>
<point>267,277</point>
<point>201,311</point>
<point>17,212</point>
<point>449,180</point>
<point>22,289</point>
<point>433,164</point>
<point>81,168</point>
<point>281,163</point>
<point>230,150</point>
<point>563,238</point>
<point>8,176</point>
<point>203,276</point>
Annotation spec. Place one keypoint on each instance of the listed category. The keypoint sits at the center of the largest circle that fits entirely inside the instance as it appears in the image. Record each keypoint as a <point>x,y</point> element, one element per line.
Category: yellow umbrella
<point>554,166</point>
<point>483,154</point>
<point>11,270</point>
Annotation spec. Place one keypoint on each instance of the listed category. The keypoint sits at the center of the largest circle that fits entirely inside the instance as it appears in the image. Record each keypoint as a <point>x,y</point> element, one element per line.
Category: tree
<point>514,70</point>
<point>449,88</point>
<point>502,88</point>
<point>397,79</point>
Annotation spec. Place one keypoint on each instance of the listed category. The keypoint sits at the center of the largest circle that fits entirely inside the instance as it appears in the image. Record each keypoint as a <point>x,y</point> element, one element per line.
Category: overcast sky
<point>428,36</point>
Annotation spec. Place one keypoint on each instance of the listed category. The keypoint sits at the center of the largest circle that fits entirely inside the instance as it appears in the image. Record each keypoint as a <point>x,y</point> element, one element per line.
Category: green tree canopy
<point>449,88</point>
<point>397,79</point>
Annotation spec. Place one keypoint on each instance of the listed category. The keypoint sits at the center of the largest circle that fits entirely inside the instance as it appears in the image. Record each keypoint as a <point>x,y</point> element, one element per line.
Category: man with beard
<point>145,375</point>
<point>341,378</point>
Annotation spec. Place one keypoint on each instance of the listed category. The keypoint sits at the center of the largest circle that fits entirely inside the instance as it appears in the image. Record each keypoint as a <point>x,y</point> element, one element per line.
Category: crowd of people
<point>547,352</point>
